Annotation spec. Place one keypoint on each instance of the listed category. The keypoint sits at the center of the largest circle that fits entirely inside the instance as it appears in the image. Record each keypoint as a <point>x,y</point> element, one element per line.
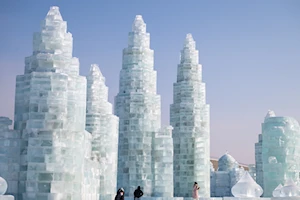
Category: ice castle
<point>68,144</point>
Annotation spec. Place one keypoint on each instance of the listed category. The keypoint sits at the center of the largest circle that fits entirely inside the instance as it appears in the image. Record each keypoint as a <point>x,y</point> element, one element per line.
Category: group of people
<point>138,193</point>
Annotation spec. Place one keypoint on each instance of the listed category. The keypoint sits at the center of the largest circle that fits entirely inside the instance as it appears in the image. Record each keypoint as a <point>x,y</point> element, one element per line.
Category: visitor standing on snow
<point>138,193</point>
<point>120,194</point>
<point>195,191</point>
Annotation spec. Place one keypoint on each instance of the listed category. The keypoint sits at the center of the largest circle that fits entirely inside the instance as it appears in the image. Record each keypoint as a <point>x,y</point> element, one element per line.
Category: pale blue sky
<point>250,52</point>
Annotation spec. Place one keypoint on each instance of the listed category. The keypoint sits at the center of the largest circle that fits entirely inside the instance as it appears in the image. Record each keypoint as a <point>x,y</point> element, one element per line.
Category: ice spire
<point>270,113</point>
<point>54,14</point>
<point>138,107</point>
<point>139,24</point>
<point>103,126</point>
<point>189,115</point>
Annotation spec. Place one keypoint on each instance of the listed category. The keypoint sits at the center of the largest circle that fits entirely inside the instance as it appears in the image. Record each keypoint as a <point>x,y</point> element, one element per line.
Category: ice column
<point>138,107</point>
<point>189,115</point>
<point>50,106</point>
<point>103,126</point>
<point>163,163</point>
<point>9,155</point>
<point>280,152</point>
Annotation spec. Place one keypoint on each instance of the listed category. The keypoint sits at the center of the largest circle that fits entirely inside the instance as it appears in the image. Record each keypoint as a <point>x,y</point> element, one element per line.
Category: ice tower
<point>280,151</point>
<point>103,126</point>
<point>189,115</point>
<point>50,106</point>
<point>138,107</point>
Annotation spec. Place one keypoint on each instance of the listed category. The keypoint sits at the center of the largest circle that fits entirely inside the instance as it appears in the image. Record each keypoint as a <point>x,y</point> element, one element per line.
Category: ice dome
<point>3,186</point>
<point>227,163</point>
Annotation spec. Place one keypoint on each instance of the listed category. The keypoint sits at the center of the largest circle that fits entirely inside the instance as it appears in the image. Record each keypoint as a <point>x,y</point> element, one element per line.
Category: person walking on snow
<point>138,193</point>
<point>195,191</point>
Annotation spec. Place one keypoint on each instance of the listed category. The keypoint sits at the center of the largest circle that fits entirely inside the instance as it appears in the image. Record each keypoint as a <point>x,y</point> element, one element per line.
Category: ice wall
<point>50,106</point>
<point>9,155</point>
<point>163,163</point>
<point>280,151</point>
<point>189,115</point>
<point>103,126</point>
<point>138,107</point>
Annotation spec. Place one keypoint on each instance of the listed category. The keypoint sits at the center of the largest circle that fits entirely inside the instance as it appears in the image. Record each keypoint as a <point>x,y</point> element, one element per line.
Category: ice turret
<point>103,126</point>
<point>189,115</point>
<point>50,106</point>
<point>227,163</point>
<point>138,107</point>
<point>279,153</point>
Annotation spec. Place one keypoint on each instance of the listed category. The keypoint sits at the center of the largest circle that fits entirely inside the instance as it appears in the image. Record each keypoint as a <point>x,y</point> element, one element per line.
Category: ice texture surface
<point>50,107</point>
<point>280,151</point>
<point>139,110</point>
<point>227,162</point>
<point>290,189</point>
<point>189,116</point>
<point>103,126</point>
<point>163,163</point>
<point>9,155</point>
<point>277,191</point>
<point>246,187</point>
<point>3,186</point>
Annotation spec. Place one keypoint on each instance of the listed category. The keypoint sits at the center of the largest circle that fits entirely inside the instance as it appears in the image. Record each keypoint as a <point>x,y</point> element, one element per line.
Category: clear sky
<point>250,52</point>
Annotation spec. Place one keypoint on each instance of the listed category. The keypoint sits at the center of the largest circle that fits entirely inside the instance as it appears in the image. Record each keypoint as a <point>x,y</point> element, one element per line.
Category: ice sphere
<point>272,159</point>
<point>290,189</point>
<point>3,186</point>
<point>246,187</point>
<point>277,190</point>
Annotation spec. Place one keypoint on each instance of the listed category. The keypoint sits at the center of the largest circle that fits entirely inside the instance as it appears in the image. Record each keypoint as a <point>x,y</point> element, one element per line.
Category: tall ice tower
<point>138,107</point>
<point>189,116</point>
<point>103,126</point>
<point>50,106</point>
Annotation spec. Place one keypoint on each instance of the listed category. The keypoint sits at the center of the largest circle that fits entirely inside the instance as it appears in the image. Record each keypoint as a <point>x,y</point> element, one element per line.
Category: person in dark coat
<point>138,193</point>
<point>120,194</point>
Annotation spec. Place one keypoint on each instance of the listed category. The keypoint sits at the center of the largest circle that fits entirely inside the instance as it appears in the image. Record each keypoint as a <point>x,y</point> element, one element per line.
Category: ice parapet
<point>290,189</point>
<point>277,191</point>
<point>246,187</point>
<point>3,186</point>
<point>189,116</point>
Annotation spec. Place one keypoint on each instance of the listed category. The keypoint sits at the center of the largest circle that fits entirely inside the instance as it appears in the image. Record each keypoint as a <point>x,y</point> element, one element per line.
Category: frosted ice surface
<point>272,160</point>
<point>290,189</point>
<point>3,186</point>
<point>246,187</point>
<point>189,116</point>
<point>277,191</point>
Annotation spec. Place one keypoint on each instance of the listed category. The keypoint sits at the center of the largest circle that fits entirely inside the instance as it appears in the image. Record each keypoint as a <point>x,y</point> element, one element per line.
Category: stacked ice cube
<point>103,126</point>
<point>138,107</point>
<point>9,155</point>
<point>50,108</point>
<point>189,116</point>
<point>163,163</point>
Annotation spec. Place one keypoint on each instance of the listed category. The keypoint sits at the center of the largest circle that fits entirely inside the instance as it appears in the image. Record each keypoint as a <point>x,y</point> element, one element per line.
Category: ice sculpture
<point>103,126</point>
<point>50,106</point>
<point>280,151</point>
<point>290,189</point>
<point>225,177</point>
<point>277,191</point>
<point>189,116</point>
<point>163,163</point>
<point>9,148</point>
<point>3,186</point>
<point>138,107</point>
<point>246,187</point>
